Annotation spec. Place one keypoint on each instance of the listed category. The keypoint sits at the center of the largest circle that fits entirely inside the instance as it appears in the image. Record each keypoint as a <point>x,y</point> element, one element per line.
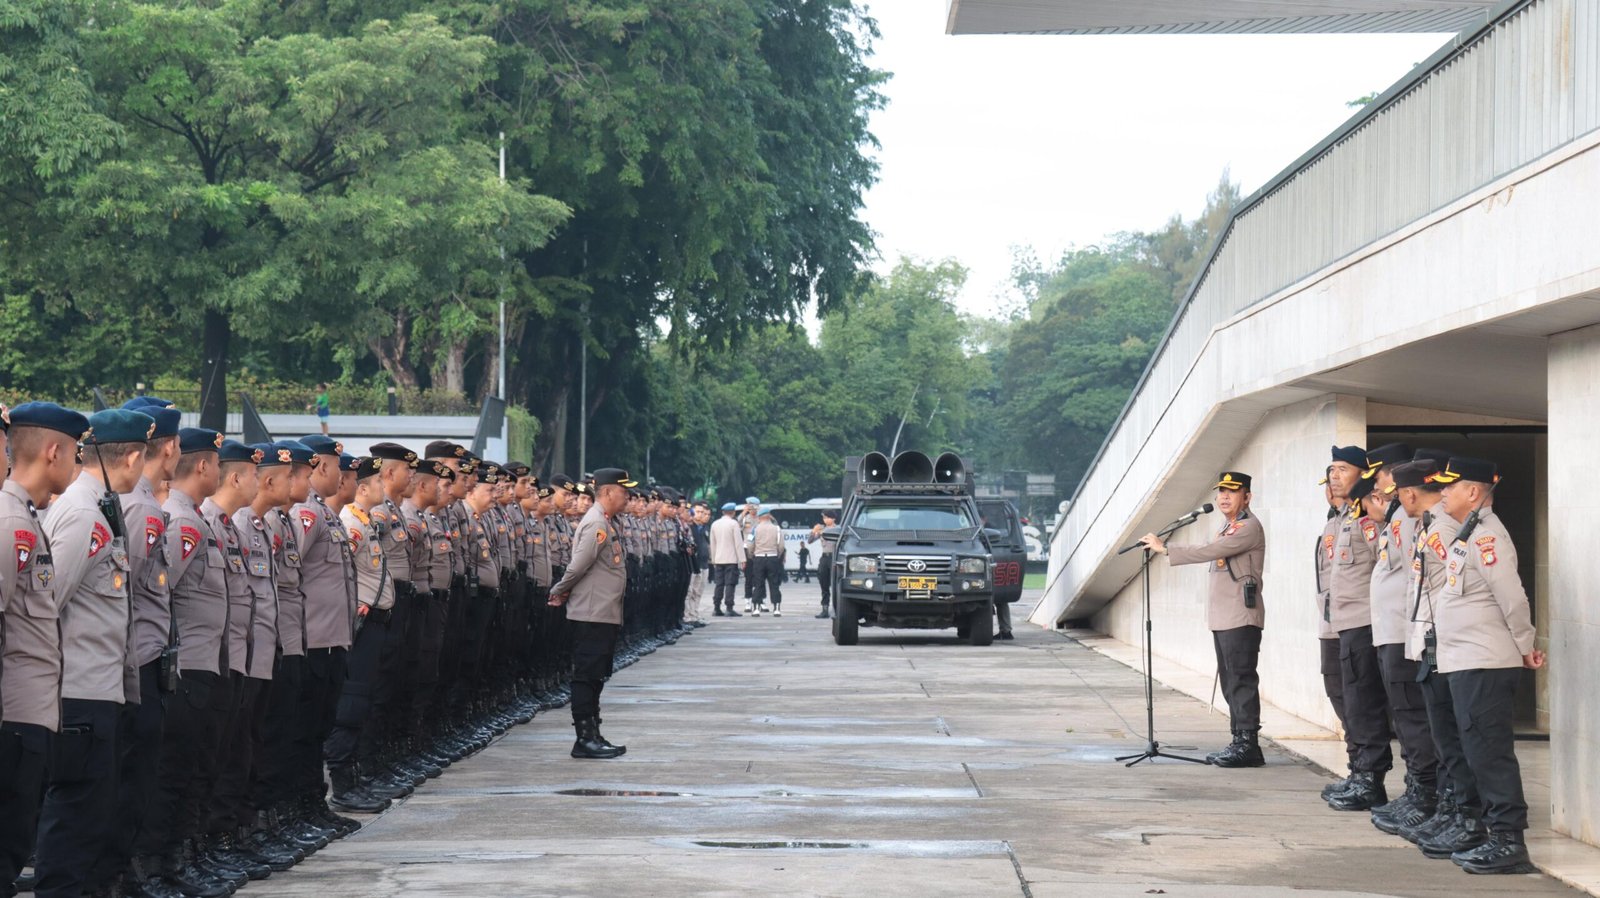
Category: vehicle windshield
<point>914,517</point>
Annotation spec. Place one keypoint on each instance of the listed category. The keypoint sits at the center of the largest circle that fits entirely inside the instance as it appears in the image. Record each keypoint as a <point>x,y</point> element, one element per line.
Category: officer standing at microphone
<point>1235,612</point>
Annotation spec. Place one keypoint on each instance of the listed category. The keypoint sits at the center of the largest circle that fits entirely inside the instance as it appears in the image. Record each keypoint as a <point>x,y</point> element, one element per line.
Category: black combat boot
<point>1211,757</point>
<point>1244,752</point>
<point>1366,792</point>
<point>1412,808</point>
<point>1464,833</point>
<point>589,743</point>
<point>1504,852</point>
<point>348,796</point>
<point>1443,815</point>
<point>1341,784</point>
<point>621,749</point>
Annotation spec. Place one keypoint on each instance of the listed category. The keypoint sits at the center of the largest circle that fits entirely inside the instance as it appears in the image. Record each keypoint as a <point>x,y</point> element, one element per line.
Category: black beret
<point>367,466</point>
<point>1354,456</point>
<point>393,452</point>
<point>444,449</point>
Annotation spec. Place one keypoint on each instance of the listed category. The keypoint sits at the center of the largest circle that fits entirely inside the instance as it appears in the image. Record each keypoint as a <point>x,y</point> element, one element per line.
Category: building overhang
<point>1211,16</point>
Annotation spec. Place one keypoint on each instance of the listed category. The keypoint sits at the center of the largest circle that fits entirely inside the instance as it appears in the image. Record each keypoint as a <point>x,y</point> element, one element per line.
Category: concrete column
<point>1571,631</point>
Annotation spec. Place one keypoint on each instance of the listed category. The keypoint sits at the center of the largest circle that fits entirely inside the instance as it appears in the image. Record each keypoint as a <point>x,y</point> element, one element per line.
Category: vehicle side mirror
<point>994,535</point>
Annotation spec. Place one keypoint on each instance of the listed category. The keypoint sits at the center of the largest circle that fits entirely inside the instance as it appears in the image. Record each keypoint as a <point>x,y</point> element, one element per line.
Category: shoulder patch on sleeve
<point>308,519</point>
<point>98,538</point>
<point>189,539</point>
<point>1486,552</point>
<point>26,542</point>
<point>1436,543</point>
<point>153,528</point>
<point>600,537</point>
<point>1369,529</point>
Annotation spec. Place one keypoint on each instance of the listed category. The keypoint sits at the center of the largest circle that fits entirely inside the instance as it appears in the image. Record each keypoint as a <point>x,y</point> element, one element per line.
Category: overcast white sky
<point>1055,141</point>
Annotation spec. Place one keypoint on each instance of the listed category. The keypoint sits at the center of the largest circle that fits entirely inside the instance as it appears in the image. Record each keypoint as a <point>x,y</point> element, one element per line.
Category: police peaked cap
<point>1233,480</point>
<point>613,476</point>
<point>1476,470</point>
<point>115,425</point>
<point>1439,457</point>
<point>1414,473</point>
<point>198,439</point>
<point>1388,454</point>
<point>49,416</point>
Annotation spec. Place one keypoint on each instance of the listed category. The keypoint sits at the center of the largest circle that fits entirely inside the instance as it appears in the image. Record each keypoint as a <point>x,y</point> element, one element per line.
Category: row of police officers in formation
<point>1425,631</point>
<point>209,648</point>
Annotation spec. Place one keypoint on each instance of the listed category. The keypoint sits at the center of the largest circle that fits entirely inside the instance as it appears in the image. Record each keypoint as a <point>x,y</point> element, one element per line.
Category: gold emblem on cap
<point>150,434</point>
<point>86,435</point>
<point>5,414</point>
<point>256,456</point>
<point>461,452</point>
<point>217,441</point>
<point>338,446</point>
<point>284,456</point>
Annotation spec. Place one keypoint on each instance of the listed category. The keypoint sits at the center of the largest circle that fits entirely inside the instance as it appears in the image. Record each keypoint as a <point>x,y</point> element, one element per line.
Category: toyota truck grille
<point>916,564</point>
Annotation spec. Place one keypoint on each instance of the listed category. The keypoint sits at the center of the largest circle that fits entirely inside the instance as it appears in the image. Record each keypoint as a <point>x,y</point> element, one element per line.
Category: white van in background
<point>795,520</point>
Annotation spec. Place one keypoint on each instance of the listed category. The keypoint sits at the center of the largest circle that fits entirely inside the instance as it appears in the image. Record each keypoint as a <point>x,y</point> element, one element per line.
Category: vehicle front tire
<point>980,626</point>
<point>846,621</point>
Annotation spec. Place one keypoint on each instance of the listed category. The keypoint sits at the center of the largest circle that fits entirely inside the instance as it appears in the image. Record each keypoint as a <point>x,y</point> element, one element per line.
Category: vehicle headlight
<point>973,566</point>
<point>863,564</point>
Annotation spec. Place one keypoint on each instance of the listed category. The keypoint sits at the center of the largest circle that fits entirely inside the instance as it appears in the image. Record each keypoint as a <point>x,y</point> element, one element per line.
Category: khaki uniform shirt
<point>726,544</point>
<point>768,540</point>
<point>261,575</point>
<point>327,575</point>
<point>199,590</point>
<point>1483,619</point>
<point>441,564</point>
<point>150,597</point>
<point>285,538</point>
<point>1429,555</point>
<point>1234,557</point>
<point>1391,579</point>
<point>420,545</point>
<point>92,571</point>
<point>480,545</point>
<point>1355,552</point>
<point>241,599</point>
<point>598,575</point>
<point>374,583</point>
<point>30,666</point>
<point>395,537</point>
<point>539,533</point>
<point>1330,533</point>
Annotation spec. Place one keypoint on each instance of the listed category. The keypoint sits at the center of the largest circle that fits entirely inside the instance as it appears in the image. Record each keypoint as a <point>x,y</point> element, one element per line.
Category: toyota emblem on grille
<point>916,565</point>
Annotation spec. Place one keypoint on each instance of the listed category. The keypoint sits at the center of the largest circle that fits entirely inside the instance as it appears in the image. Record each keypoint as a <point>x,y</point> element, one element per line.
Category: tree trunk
<point>215,336</point>
<point>556,445</point>
<point>392,351</point>
<point>453,368</point>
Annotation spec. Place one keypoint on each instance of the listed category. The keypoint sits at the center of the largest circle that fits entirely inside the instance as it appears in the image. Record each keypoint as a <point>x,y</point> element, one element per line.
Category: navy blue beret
<point>167,419</point>
<point>115,425</point>
<point>298,453</point>
<point>50,416</point>
<point>233,450</point>
<point>269,455</point>
<point>322,445</point>
<point>198,439</point>
<point>347,462</point>
<point>140,403</point>
<point>1351,455</point>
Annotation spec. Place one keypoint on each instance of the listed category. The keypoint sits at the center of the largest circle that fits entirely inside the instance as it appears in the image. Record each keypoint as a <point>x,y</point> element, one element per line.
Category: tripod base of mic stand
<point>1153,752</point>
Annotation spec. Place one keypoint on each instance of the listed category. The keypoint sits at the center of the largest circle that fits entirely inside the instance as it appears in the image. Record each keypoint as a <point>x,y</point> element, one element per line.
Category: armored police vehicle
<point>912,551</point>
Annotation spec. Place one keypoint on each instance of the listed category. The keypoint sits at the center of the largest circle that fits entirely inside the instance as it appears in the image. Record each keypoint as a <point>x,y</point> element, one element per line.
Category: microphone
<point>1189,518</point>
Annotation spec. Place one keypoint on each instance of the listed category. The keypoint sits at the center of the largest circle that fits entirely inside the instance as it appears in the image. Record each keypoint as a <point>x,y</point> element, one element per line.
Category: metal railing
<point>1491,100</point>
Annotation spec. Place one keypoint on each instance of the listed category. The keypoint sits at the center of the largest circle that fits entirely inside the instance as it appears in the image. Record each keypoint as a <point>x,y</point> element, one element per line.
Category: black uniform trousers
<point>1484,705</point>
<point>1366,706</point>
<point>825,577</point>
<point>354,705</point>
<point>1333,688</point>
<point>1238,649</point>
<point>1441,706</point>
<point>80,794</point>
<point>593,647</point>
<point>286,698</point>
<point>186,735</point>
<point>231,780</point>
<point>435,611</point>
<point>1409,710</point>
<point>724,577</point>
<point>139,755</point>
<point>24,753</point>
<point>324,683</point>
<point>767,572</point>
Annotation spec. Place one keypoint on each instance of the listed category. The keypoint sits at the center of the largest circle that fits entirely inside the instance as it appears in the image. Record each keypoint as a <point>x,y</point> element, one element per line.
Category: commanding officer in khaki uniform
<point>90,550</point>
<point>1349,610</point>
<point>1485,640</point>
<point>592,591</point>
<point>1235,611</point>
<point>766,559</point>
<point>43,437</point>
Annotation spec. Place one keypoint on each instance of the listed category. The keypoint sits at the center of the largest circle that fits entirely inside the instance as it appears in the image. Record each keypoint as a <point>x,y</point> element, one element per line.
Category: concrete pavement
<point>765,760</point>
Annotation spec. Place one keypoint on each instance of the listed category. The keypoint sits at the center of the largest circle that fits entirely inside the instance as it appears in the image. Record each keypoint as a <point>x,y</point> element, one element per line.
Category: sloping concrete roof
<point>1210,16</point>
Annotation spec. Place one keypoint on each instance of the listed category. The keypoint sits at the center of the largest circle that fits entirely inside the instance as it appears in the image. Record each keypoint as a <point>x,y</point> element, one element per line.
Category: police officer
<point>766,558</point>
<point>392,686</point>
<point>1391,615</point>
<point>749,517</point>
<point>591,590</point>
<point>375,598</point>
<point>1349,611</point>
<point>1235,611</point>
<point>1485,640</point>
<point>152,664</point>
<point>85,532</point>
<point>825,573</point>
<point>42,438</point>
<point>430,578</point>
<point>727,559</point>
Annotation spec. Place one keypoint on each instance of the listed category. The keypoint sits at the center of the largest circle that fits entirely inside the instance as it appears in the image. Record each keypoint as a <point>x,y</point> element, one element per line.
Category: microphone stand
<point>1153,748</point>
